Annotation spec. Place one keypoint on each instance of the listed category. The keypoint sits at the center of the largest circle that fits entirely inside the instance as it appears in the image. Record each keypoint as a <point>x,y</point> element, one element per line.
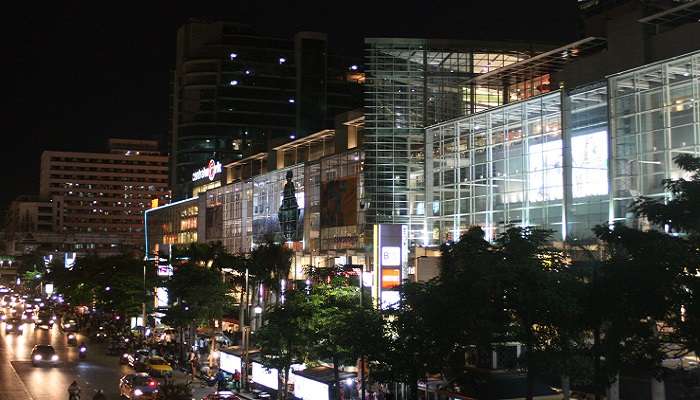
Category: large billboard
<point>339,202</point>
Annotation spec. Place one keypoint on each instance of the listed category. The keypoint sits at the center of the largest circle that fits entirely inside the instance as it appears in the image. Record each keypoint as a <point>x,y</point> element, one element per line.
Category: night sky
<point>81,72</point>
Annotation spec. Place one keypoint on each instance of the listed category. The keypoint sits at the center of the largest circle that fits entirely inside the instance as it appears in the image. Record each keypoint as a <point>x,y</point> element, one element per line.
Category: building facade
<point>411,84</point>
<point>105,193</point>
<point>235,90</point>
<point>526,143</point>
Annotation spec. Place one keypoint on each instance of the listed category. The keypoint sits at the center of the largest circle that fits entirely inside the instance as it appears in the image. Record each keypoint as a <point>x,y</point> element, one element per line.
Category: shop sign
<point>210,171</point>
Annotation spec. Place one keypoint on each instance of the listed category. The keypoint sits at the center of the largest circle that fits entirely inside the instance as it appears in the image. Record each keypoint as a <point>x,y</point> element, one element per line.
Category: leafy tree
<point>413,339</point>
<point>112,283</point>
<point>680,213</point>
<point>197,295</point>
<point>285,337</point>
<point>270,263</point>
<point>534,272</point>
<point>334,326</point>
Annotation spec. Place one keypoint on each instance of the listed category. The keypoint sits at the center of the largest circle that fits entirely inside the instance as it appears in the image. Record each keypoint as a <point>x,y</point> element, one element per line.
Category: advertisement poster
<point>339,202</point>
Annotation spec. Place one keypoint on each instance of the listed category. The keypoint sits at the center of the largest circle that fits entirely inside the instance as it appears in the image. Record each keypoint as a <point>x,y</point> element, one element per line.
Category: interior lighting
<point>291,101</point>
<point>233,56</point>
<point>282,60</point>
<point>353,67</point>
<point>233,82</point>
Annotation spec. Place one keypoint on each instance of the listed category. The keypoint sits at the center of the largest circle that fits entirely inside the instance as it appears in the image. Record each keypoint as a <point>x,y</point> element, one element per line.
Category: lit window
<point>353,68</point>
<point>233,82</point>
<point>282,60</point>
<point>233,56</point>
<point>291,100</point>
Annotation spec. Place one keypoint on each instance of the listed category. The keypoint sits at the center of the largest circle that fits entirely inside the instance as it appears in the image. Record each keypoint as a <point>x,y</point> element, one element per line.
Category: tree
<point>271,262</point>
<point>534,274</point>
<point>112,283</point>
<point>334,326</point>
<point>412,345</point>
<point>284,338</point>
<point>680,213</point>
<point>197,294</point>
<point>650,279</point>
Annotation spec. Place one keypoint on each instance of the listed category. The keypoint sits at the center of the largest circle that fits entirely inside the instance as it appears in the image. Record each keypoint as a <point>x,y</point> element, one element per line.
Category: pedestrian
<point>220,380</point>
<point>194,361</point>
<point>237,380</point>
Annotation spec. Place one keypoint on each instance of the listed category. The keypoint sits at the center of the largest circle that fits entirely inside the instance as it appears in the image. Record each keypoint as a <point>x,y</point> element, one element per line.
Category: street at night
<point>318,200</point>
<point>20,380</point>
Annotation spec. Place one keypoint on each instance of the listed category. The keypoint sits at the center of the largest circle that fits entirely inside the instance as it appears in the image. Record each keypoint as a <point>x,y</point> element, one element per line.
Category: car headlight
<point>54,357</point>
<point>138,392</point>
<point>37,357</point>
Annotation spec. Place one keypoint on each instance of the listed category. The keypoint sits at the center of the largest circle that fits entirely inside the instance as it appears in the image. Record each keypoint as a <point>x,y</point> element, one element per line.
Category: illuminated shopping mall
<point>458,134</point>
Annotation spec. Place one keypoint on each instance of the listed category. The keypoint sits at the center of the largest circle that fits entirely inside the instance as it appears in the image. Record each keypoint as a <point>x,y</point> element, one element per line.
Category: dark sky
<point>81,72</point>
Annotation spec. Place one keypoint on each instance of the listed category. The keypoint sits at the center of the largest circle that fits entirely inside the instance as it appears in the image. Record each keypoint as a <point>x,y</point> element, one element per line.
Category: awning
<point>541,64</point>
<point>679,15</point>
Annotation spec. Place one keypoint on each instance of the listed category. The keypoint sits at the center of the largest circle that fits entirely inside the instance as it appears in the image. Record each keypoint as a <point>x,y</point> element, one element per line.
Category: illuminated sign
<point>154,203</point>
<point>69,259</point>
<point>391,256</point>
<point>391,278</point>
<point>161,297</point>
<point>210,171</point>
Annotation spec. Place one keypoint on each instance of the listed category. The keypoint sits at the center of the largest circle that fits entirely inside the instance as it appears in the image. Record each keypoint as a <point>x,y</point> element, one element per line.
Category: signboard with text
<point>391,259</point>
<point>210,171</point>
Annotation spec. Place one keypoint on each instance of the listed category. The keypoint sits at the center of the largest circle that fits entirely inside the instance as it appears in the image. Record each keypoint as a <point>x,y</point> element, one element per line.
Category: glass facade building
<point>410,84</point>
<point>566,160</point>
<point>654,117</point>
<point>496,168</point>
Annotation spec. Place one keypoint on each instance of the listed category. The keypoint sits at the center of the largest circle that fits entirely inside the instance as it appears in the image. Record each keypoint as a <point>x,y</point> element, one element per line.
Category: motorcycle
<point>82,352</point>
<point>72,340</point>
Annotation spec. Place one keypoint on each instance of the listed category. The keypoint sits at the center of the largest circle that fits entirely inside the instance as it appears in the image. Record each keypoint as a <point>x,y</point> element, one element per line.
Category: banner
<point>339,202</point>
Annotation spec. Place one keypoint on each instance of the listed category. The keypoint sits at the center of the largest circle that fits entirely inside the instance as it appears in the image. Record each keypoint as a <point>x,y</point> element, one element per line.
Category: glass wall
<point>587,136</point>
<point>654,118</point>
<point>172,224</point>
<point>410,84</point>
<point>496,168</point>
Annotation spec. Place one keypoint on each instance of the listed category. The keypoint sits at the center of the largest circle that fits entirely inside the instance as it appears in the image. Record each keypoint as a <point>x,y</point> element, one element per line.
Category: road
<point>19,380</point>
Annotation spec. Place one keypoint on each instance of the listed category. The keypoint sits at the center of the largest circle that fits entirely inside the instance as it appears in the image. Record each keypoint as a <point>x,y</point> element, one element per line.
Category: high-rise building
<point>105,193</point>
<point>234,90</point>
<point>413,83</point>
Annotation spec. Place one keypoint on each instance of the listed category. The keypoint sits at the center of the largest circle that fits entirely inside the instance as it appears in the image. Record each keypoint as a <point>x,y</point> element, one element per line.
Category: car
<point>223,395</point>
<point>28,316</point>
<point>14,325</point>
<point>44,321</point>
<point>137,359</point>
<point>158,367</point>
<point>69,325</point>
<point>138,386</point>
<point>44,354</point>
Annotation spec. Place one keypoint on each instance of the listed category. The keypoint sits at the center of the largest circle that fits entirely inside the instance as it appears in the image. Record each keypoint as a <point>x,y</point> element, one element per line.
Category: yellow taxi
<point>158,367</point>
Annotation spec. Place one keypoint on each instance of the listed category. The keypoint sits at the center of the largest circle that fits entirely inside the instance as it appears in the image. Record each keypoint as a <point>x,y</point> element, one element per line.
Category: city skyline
<point>99,80</point>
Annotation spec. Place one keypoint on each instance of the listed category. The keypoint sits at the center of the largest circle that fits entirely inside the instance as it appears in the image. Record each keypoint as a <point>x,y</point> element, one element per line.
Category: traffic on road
<point>50,350</point>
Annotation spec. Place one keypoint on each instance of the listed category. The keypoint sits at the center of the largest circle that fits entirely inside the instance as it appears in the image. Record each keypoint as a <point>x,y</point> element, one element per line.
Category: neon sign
<point>210,171</point>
